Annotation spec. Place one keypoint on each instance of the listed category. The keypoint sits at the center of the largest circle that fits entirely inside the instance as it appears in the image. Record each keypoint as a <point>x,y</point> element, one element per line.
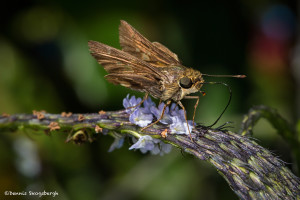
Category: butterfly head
<point>191,82</point>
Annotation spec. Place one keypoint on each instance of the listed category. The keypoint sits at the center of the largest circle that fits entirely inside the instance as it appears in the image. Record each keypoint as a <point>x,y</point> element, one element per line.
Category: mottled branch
<point>284,129</point>
<point>250,170</point>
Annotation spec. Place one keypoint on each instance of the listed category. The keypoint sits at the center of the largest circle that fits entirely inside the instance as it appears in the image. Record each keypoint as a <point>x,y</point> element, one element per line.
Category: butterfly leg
<point>161,116</point>
<point>145,97</point>
<point>159,102</point>
<point>175,106</point>
<point>180,104</point>
<point>195,107</point>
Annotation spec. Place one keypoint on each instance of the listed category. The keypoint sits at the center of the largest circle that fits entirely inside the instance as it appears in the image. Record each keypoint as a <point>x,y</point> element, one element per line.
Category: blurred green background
<point>45,65</point>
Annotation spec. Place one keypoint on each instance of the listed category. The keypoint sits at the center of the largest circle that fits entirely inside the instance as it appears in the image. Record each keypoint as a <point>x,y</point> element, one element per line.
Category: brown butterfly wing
<point>137,45</point>
<point>127,70</point>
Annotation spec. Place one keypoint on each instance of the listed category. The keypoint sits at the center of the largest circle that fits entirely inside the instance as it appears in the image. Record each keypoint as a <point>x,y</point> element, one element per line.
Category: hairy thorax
<point>172,89</point>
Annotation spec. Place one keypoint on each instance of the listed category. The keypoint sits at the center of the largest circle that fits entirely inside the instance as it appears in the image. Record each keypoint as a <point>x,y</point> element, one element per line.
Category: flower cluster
<point>146,114</point>
<point>143,116</point>
<point>139,116</point>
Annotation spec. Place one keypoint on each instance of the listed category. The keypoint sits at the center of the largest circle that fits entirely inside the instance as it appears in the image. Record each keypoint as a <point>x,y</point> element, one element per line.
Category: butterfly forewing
<point>136,44</point>
<point>127,70</point>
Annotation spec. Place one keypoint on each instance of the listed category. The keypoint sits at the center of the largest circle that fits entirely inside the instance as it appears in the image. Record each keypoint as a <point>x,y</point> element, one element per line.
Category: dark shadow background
<point>45,65</point>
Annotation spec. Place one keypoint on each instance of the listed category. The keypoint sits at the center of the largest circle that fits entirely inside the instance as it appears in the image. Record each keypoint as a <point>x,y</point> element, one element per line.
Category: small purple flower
<point>166,119</point>
<point>140,118</point>
<point>180,114</point>
<point>160,147</point>
<point>165,148</point>
<point>155,150</point>
<point>148,103</point>
<point>145,143</point>
<point>117,144</point>
<point>175,111</point>
<point>180,126</point>
<point>155,146</point>
<point>131,102</point>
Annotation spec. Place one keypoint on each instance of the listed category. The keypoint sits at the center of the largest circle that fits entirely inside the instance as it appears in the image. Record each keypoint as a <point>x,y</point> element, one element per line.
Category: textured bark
<point>252,171</point>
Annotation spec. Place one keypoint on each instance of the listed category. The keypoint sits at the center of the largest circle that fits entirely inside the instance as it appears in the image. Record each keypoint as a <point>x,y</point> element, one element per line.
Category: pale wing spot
<point>145,57</point>
<point>126,85</point>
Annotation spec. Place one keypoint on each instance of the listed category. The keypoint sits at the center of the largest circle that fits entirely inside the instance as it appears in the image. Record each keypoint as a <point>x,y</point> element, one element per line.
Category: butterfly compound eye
<point>185,82</point>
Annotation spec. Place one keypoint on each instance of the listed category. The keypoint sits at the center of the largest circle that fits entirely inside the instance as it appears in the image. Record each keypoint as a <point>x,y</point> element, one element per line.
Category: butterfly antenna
<point>233,76</point>
<point>229,100</point>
